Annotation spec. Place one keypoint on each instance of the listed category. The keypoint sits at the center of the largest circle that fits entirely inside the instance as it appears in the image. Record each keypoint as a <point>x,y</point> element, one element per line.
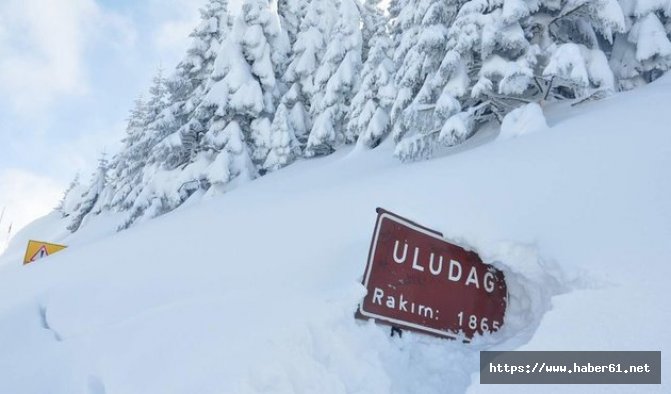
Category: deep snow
<point>254,291</point>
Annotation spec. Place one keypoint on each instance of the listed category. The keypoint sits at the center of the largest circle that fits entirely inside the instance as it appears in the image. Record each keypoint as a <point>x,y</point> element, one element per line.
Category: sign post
<point>38,249</point>
<point>418,281</point>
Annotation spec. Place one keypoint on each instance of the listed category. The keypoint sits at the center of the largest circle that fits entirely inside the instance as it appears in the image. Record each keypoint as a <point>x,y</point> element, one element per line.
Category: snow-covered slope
<point>254,291</point>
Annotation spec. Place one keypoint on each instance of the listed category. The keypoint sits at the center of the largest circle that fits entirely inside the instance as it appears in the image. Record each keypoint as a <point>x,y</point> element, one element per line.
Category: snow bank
<point>255,290</point>
<point>523,120</point>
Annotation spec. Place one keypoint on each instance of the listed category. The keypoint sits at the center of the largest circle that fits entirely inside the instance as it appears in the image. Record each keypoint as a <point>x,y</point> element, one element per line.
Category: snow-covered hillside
<point>266,83</point>
<point>254,291</point>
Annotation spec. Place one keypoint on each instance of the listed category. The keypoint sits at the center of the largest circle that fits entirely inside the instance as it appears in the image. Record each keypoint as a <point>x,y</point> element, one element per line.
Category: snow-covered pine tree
<point>189,85</point>
<point>236,97</point>
<point>643,52</point>
<point>291,13</point>
<point>370,11</point>
<point>406,26</point>
<point>504,53</point>
<point>284,147</point>
<point>132,186</point>
<point>158,119</point>
<point>126,166</point>
<point>394,10</point>
<point>242,96</point>
<point>174,125</point>
<point>310,46</point>
<point>230,160</point>
<point>576,65</point>
<point>215,22</point>
<point>299,116</point>
<point>289,131</point>
<point>306,55</point>
<point>265,47</point>
<point>66,206</point>
<point>423,26</point>
<point>90,198</point>
<point>368,118</point>
<point>336,80</point>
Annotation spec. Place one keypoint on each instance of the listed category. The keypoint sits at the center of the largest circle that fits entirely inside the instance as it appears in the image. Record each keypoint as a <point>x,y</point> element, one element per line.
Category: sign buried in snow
<point>418,281</point>
<point>37,250</point>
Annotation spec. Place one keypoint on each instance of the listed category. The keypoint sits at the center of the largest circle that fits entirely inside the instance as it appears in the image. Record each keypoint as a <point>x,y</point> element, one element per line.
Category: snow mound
<point>254,291</point>
<point>523,120</point>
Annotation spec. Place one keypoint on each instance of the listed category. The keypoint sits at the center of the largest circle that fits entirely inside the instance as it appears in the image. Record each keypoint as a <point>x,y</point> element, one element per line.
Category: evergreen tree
<point>394,9</point>
<point>67,204</point>
<point>422,45</point>
<point>245,87</point>
<point>189,85</point>
<point>238,98</point>
<point>206,38</point>
<point>307,52</point>
<point>284,147</point>
<point>90,198</point>
<point>158,119</point>
<point>291,13</point>
<point>127,166</point>
<point>265,47</point>
<point>336,79</point>
<point>500,54</point>
<point>643,52</point>
<point>133,184</point>
<point>370,12</point>
<point>396,26</point>
<point>369,112</point>
<point>310,46</point>
<point>298,117</point>
<point>231,160</point>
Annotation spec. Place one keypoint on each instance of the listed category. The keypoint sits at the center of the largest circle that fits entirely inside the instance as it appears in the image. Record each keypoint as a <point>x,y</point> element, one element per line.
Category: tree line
<point>288,79</point>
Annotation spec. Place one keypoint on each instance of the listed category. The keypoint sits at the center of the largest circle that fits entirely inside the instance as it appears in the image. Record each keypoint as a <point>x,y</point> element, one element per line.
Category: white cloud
<point>81,153</point>
<point>172,37</point>
<point>179,18</point>
<point>25,196</point>
<point>116,29</point>
<point>42,45</point>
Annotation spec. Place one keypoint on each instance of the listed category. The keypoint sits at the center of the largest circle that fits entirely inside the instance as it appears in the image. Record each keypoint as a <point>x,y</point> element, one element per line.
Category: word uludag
<point>454,272</point>
<point>418,281</point>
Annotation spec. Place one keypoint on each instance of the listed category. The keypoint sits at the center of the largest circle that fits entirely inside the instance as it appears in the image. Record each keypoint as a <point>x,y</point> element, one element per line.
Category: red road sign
<point>416,280</point>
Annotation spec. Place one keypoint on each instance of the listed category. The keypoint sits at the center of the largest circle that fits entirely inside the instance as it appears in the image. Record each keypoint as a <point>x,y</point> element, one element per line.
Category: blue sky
<point>69,72</point>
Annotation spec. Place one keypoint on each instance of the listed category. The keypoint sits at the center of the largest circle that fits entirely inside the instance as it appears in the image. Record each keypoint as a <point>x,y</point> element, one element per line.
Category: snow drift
<point>254,291</point>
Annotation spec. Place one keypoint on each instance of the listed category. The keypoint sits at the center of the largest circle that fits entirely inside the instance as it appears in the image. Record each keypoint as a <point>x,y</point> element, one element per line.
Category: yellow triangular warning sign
<point>38,249</point>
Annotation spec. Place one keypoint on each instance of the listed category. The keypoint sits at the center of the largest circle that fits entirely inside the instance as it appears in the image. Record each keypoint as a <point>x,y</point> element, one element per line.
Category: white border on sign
<point>369,267</point>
